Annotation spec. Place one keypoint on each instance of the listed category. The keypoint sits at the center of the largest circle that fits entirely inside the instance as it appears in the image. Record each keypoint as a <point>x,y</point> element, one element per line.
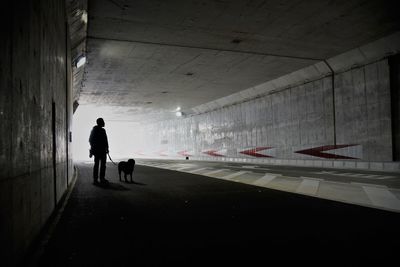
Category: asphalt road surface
<point>174,218</point>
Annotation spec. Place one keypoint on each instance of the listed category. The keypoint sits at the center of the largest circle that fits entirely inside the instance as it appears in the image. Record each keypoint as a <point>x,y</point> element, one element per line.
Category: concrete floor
<point>177,218</point>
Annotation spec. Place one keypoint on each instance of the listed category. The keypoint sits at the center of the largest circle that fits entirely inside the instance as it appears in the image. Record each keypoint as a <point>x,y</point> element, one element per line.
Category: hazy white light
<point>178,114</point>
<point>81,62</point>
<point>84,17</point>
<point>123,137</point>
<point>178,109</point>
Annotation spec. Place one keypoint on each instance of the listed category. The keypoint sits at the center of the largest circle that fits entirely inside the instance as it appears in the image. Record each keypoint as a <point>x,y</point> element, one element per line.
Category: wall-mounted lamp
<point>81,61</point>
<point>84,17</point>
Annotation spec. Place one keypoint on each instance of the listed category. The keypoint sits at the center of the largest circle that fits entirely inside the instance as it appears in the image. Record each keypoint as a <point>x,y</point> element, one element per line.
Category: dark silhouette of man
<point>99,149</point>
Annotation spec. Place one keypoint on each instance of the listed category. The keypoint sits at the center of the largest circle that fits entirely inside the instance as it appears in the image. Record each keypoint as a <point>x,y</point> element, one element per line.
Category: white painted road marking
<point>386,177</point>
<point>249,166</point>
<point>197,170</point>
<point>233,175</point>
<point>357,175</point>
<point>370,185</point>
<point>268,177</point>
<point>371,176</point>
<point>214,172</point>
<point>183,168</point>
<point>382,197</point>
<point>160,165</point>
<point>308,186</point>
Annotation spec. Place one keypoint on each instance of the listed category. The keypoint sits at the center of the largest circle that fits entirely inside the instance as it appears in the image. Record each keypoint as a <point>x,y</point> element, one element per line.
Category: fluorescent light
<point>81,61</point>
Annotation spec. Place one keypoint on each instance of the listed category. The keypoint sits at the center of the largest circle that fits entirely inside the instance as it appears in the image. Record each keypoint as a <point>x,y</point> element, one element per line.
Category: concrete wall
<point>363,110</point>
<point>33,75</point>
<point>395,97</point>
<point>298,123</point>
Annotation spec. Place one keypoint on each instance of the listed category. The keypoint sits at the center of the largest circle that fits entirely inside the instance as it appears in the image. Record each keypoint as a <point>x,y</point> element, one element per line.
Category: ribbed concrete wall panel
<point>293,124</point>
<point>363,110</point>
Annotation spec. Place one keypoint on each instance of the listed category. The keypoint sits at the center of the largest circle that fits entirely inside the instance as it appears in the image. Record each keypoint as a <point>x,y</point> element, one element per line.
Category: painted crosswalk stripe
<point>233,175</point>
<point>308,186</point>
<point>214,172</point>
<point>197,170</point>
<point>268,177</point>
<point>382,197</point>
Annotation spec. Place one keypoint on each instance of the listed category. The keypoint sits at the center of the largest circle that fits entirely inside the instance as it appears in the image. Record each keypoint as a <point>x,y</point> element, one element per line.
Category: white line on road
<point>163,165</point>
<point>214,172</point>
<point>370,185</point>
<point>357,174</point>
<point>268,177</point>
<point>326,172</point>
<point>345,174</point>
<point>385,177</point>
<point>254,167</point>
<point>183,168</point>
<point>382,197</point>
<point>197,170</point>
<point>156,166</point>
<point>249,166</point>
<point>308,186</point>
<point>371,176</point>
<point>233,175</point>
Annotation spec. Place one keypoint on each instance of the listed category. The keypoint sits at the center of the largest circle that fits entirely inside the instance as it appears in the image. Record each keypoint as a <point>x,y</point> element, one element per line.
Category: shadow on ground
<point>114,186</point>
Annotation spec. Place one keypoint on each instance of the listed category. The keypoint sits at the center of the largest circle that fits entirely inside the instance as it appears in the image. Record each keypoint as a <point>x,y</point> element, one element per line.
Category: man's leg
<point>103,160</point>
<point>96,169</point>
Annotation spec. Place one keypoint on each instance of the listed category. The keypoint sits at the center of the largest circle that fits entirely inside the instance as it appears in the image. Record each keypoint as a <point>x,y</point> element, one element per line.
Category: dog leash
<point>111,159</point>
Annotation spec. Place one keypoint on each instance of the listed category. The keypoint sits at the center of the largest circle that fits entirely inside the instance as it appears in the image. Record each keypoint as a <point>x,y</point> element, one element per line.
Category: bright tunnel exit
<point>123,138</point>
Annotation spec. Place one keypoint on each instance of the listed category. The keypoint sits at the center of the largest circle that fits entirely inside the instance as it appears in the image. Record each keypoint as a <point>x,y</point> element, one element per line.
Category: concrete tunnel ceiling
<point>145,58</point>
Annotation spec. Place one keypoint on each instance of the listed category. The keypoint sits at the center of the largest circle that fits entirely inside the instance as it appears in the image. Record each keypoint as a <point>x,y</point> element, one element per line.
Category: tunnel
<point>263,132</point>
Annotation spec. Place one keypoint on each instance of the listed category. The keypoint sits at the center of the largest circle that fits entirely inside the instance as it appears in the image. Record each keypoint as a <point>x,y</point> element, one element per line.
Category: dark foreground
<point>173,218</point>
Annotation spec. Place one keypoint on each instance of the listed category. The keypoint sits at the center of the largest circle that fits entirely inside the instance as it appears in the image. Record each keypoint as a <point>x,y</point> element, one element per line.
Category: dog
<point>126,167</point>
